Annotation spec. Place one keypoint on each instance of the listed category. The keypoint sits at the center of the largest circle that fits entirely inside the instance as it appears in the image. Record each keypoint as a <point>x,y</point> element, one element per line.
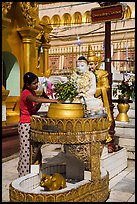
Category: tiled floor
<point>122,186</point>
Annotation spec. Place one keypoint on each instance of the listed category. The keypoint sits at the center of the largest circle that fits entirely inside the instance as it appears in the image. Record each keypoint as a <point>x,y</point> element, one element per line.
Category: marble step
<point>125,136</point>
<point>125,132</point>
<point>130,152</point>
<point>128,144</point>
<point>114,162</point>
<point>124,142</point>
<point>125,129</point>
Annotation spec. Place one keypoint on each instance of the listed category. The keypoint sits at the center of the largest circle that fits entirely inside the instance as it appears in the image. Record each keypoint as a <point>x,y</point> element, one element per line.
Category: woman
<point>29,105</point>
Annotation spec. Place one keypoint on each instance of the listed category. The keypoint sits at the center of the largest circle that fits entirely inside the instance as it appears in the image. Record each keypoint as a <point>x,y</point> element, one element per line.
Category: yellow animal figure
<point>52,183</point>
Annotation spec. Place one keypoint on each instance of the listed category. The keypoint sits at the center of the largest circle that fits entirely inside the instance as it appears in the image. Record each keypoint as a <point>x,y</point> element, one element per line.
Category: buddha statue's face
<point>92,66</point>
<point>81,66</point>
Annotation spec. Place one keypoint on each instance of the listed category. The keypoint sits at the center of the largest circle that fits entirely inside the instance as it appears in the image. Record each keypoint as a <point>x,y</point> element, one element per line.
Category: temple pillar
<point>38,43</point>
<point>45,45</point>
<point>95,161</point>
<point>45,58</point>
<point>28,35</point>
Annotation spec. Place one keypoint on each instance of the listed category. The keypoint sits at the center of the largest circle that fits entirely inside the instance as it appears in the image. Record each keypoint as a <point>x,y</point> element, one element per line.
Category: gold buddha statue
<point>102,85</point>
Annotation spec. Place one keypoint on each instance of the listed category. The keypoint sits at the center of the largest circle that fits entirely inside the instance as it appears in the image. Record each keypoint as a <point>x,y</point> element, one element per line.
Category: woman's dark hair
<point>28,78</point>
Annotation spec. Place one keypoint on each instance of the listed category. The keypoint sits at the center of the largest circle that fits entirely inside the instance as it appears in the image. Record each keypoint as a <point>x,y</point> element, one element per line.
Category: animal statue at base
<point>52,182</point>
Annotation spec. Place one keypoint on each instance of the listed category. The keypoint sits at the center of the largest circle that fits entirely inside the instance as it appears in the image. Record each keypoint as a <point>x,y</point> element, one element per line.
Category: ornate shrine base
<point>89,133</point>
<point>27,189</point>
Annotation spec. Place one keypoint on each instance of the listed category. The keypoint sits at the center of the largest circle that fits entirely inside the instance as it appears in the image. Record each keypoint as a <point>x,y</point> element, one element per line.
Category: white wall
<point>13,81</point>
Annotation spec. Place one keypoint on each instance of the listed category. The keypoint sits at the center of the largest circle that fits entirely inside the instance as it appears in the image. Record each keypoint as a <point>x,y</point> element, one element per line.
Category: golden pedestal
<point>13,109</point>
<point>123,109</point>
<point>75,131</point>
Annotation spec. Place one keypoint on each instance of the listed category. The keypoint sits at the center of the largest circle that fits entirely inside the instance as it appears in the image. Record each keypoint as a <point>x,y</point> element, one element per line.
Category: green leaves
<point>66,91</point>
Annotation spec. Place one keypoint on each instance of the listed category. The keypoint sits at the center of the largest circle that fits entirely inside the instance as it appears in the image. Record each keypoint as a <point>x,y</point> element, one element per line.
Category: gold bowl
<point>65,110</point>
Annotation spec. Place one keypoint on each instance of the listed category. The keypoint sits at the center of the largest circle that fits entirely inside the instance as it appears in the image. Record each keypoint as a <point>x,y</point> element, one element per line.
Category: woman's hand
<point>55,101</point>
<point>60,101</point>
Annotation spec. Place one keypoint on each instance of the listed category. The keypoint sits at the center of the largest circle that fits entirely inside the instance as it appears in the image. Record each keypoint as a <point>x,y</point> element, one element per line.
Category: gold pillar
<point>45,45</point>
<point>5,93</point>
<point>95,161</point>
<point>38,43</point>
<point>26,54</point>
<point>45,58</point>
<point>28,35</point>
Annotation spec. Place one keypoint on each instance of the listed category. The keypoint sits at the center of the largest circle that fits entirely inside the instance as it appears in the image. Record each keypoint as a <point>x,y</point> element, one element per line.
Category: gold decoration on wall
<point>39,36</point>
<point>86,17</point>
<point>55,21</point>
<point>47,41</point>
<point>77,18</point>
<point>30,12</point>
<point>6,6</point>
<point>46,20</point>
<point>66,19</point>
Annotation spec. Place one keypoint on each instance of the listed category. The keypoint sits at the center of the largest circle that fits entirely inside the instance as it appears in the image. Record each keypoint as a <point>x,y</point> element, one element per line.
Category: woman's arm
<point>36,99</point>
<point>37,106</point>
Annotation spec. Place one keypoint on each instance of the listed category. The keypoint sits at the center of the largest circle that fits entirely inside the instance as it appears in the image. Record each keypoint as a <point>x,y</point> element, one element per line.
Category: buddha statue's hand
<point>76,100</point>
<point>81,94</point>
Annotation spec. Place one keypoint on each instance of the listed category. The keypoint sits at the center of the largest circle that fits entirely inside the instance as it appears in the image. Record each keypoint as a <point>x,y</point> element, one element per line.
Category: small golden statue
<point>94,63</point>
<point>52,183</point>
<point>102,84</point>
